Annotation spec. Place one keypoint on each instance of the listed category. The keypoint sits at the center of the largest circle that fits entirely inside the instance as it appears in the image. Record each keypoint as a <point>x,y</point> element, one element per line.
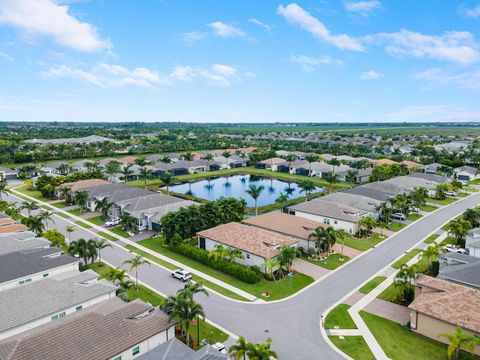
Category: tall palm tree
<point>141,162</point>
<point>70,229</point>
<point>167,180</point>
<point>29,205</point>
<point>188,157</point>
<point>430,254</point>
<point>226,155</point>
<point>101,244</point>
<point>286,256</point>
<point>166,160</point>
<point>65,193</point>
<point>458,341</point>
<point>282,199</point>
<point>145,174</point>
<point>261,351</point>
<point>334,162</point>
<point>459,228</point>
<point>269,265</point>
<point>46,216</point>
<point>112,168</point>
<point>208,157</point>
<point>81,198</point>
<point>134,263</point>
<point>84,249</point>
<point>311,158</point>
<point>255,191</point>
<point>103,205</point>
<point>324,238</point>
<point>238,351</point>
<point>307,186</point>
<point>126,172</point>
<point>3,188</point>
<point>403,282</point>
<point>34,223</point>
<point>233,253</point>
<point>331,178</point>
<point>129,223</point>
<point>220,252</point>
<point>290,158</point>
<point>185,311</point>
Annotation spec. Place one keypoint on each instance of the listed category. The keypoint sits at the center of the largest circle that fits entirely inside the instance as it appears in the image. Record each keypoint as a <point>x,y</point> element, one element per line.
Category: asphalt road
<point>293,324</point>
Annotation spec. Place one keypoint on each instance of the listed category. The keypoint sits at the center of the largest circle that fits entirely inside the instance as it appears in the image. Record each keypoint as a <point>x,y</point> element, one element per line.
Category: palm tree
<point>188,156</point>
<point>255,191</point>
<point>134,263</point>
<point>81,198</point>
<point>65,193</point>
<point>311,158</point>
<point>84,249</point>
<point>403,281</point>
<point>459,341</point>
<point>70,229</point>
<point>126,172</point>
<point>101,244</point>
<point>307,186</point>
<point>185,311</point>
<point>167,179</point>
<point>282,198</point>
<point>34,223</point>
<point>191,288</point>
<point>430,254</point>
<point>233,253</point>
<point>140,162</point>
<point>226,155</point>
<point>269,265</point>
<point>46,216</point>
<point>145,174</point>
<point>368,223</point>
<point>220,252</point>
<point>112,168</point>
<point>103,205</point>
<point>290,158</point>
<point>261,351</point>
<point>3,188</point>
<point>166,160</point>
<point>208,157</point>
<point>331,178</point>
<point>287,255</point>
<point>129,223</point>
<point>334,162</point>
<point>238,351</point>
<point>324,238</point>
<point>29,205</point>
<point>459,228</point>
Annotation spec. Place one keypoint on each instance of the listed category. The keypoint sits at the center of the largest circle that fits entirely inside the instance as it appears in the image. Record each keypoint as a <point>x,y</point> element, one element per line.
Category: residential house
<point>472,242</point>
<point>432,168</point>
<point>29,265</point>
<point>288,225</point>
<point>466,173</point>
<point>321,169</point>
<point>26,307</point>
<point>85,140</point>
<point>9,226</point>
<point>257,245</point>
<point>79,185</point>
<point>8,174</point>
<point>382,162</point>
<point>56,167</point>
<point>112,329</point>
<point>80,165</point>
<point>412,165</point>
<point>174,349</point>
<point>101,191</point>
<point>362,175</point>
<point>460,269</point>
<point>453,146</point>
<point>270,164</point>
<point>440,306</point>
<point>338,216</point>
<point>128,160</point>
<point>13,242</point>
<point>361,202</point>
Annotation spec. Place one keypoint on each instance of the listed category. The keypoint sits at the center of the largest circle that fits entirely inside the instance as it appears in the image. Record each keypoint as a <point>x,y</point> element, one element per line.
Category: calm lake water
<point>236,185</point>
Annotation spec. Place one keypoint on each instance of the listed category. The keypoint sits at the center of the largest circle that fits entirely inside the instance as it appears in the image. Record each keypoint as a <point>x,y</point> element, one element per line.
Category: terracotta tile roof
<point>274,161</point>
<point>285,224</point>
<point>95,333</point>
<point>13,228</point>
<point>128,160</point>
<point>381,162</point>
<point>83,184</point>
<point>248,238</point>
<point>411,164</point>
<point>6,221</point>
<point>449,302</point>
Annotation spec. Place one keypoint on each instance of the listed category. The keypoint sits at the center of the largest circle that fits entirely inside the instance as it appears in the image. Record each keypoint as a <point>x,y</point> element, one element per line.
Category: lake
<point>235,186</point>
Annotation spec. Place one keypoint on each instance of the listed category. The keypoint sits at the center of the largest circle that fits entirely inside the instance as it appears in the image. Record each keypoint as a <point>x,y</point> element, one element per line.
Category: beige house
<point>440,306</point>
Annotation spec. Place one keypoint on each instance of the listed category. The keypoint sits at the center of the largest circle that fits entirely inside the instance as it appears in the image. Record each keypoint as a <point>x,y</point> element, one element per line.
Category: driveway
<point>309,269</point>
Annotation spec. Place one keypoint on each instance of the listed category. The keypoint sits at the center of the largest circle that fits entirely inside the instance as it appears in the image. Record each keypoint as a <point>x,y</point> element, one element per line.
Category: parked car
<point>453,248</point>
<point>413,209</point>
<point>399,216</point>
<point>220,347</point>
<point>182,275</point>
<point>451,193</point>
<point>112,222</point>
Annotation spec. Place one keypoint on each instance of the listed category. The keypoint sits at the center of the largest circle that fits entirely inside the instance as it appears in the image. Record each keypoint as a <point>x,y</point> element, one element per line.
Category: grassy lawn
<point>462,194</point>
<point>277,289</point>
<point>431,239</point>
<point>396,226</point>
<point>83,224</point>
<point>389,294</point>
<point>120,232</point>
<point>76,212</point>
<point>428,208</point>
<point>24,189</point>
<point>445,201</point>
<point>98,220</point>
<point>330,263</point>
<point>339,317</point>
<point>372,284</point>
<point>353,346</point>
<point>60,205</point>
<point>107,236</point>
<point>400,343</point>
<point>364,243</point>
<point>414,216</point>
<point>406,258</point>
<point>448,240</point>
<point>62,215</point>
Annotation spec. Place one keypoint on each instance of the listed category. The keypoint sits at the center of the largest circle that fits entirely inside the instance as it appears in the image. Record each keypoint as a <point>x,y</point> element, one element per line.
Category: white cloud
<point>46,18</point>
<point>436,113</point>
<point>455,46</point>
<point>260,23</point>
<point>115,76</point>
<point>224,30</point>
<point>363,8</point>
<point>473,13</point>
<point>370,75</point>
<point>298,16</point>
<point>310,64</point>
<point>467,79</point>
<point>193,36</point>
<point>5,56</point>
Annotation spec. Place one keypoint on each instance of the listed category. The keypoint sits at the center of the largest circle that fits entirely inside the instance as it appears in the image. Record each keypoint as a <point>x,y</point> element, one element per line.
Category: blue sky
<point>240,61</point>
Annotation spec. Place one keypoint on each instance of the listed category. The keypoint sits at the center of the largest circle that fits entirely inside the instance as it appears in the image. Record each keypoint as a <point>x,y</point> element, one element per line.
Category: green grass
<point>208,332</point>
<point>120,232</point>
<point>389,294</point>
<point>372,284</point>
<point>353,346</point>
<point>83,224</point>
<point>445,201</point>
<point>339,317</point>
<point>278,289</point>
<point>399,343</point>
<point>396,226</point>
<point>448,240</point>
<point>414,216</point>
<point>76,212</point>
<point>65,216</point>
<point>431,239</point>
<point>406,258</point>
<point>364,243</point>
<point>462,194</point>
<point>24,189</point>
<point>330,263</point>
<point>98,220</point>
<point>60,205</point>
<point>107,236</point>
<point>428,208</point>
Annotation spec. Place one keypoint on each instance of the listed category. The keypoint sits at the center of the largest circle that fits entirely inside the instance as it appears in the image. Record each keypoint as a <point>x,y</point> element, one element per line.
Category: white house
<point>472,242</point>
<point>271,164</point>
<point>256,245</point>
<point>466,173</point>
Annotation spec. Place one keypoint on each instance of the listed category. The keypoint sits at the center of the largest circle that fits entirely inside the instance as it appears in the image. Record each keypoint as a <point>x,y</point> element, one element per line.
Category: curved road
<point>293,323</point>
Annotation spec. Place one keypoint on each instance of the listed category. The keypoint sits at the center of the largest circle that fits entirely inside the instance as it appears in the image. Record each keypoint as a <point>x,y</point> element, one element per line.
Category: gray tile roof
<point>21,241</point>
<point>27,262</point>
<point>430,177</point>
<point>126,193</point>
<point>173,349</point>
<point>161,211</point>
<point>149,200</point>
<point>468,169</point>
<point>370,192</point>
<point>23,304</point>
<point>97,333</point>
<point>461,269</point>
<point>105,190</point>
<point>54,165</point>
<point>329,209</point>
<point>353,200</point>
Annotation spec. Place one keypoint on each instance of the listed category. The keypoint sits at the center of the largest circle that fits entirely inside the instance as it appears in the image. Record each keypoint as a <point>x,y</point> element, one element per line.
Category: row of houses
<point>51,310</point>
<point>148,207</point>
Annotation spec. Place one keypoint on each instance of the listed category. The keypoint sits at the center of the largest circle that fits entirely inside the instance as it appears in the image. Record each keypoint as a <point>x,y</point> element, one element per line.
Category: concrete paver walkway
<point>388,310</point>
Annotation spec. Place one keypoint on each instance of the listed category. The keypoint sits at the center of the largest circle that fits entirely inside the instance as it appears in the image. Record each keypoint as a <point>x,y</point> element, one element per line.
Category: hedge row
<point>238,271</point>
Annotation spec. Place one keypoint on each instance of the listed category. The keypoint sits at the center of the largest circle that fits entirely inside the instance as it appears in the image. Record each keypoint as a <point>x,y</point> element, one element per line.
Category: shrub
<point>238,271</point>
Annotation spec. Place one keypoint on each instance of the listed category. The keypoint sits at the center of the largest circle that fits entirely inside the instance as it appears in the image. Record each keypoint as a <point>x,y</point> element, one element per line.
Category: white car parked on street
<point>182,275</point>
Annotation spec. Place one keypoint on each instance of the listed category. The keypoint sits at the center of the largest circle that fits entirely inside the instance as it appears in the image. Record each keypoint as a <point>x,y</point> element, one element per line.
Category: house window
<point>28,281</point>
<point>326,221</point>
<point>45,275</point>
<point>80,307</point>
<point>248,256</point>
<point>136,350</point>
<point>118,358</point>
<point>335,221</point>
<point>21,282</point>
<point>54,317</point>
